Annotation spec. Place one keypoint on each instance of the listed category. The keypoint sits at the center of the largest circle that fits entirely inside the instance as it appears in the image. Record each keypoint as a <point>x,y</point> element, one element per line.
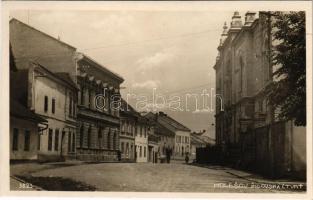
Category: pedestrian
<point>168,155</point>
<point>119,156</point>
<point>186,157</point>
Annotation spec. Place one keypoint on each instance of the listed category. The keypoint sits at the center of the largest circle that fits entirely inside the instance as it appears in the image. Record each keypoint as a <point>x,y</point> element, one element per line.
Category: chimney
<point>236,21</point>
<point>249,18</point>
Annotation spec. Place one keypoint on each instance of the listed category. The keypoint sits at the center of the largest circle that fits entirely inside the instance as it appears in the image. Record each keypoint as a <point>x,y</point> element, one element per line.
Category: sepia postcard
<point>156,99</point>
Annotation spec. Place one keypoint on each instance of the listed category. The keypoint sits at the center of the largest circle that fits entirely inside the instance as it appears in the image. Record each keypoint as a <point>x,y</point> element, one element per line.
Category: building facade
<point>97,114</point>
<point>53,98</point>
<point>24,132</point>
<point>98,111</point>
<point>141,140</point>
<point>243,113</point>
<point>128,121</point>
<point>153,143</point>
<point>182,135</point>
<point>243,72</point>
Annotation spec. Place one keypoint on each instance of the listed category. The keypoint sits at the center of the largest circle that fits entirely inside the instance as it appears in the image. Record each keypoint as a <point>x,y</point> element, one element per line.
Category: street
<point>143,177</point>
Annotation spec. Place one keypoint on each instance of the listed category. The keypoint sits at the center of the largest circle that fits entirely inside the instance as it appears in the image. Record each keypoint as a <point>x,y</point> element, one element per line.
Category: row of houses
<point>247,129</point>
<point>64,105</point>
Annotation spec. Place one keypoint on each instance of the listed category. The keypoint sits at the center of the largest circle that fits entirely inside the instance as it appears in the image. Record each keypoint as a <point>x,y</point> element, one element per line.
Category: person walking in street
<point>186,157</point>
<point>168,155</point>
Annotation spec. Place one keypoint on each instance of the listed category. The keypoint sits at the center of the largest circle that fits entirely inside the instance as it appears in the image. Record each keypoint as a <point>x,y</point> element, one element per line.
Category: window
<point>114,140</point>
<point>140,151</point>
<point>100,137</point>
<point>144,151</point>
<point>53,106</point>
<point>81,141</point>
<point>127,148</point>
<point>56,140</point>
<point>46,104</point>
<point>73,142</point>
<point>38,142</point>
<point>50,139</point>
<point>82,96</point>
<point>26,140</point>
<point>90,99</point>
<point>89,137</point>
<point>15,139</point>
<point>69,141</point>
<point>241,74</point>
<point>74,109</point>
<point>109,140</point>
<point>122,147</point>
<point>100,133</point>
<point>71,105</point>
<point>140,131</point>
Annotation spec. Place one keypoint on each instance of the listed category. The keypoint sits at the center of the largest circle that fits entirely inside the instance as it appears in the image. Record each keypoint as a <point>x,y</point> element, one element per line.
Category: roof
<point>128,109</point>
<point>63,77</point>
<point>159,128</point>
<point>67,78</point>
<point>20,111</point>
<point>196,139</point>
<point>167,120</point>
<point>162,130</point>
<point>101,67</point>
<point>43,33</point>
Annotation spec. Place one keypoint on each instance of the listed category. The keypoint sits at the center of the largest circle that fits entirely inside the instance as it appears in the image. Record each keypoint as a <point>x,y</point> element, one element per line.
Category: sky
<point>166,53</point>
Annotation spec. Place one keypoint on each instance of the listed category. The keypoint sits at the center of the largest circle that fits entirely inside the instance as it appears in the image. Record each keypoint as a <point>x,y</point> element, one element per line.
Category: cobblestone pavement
<point>148,177</point>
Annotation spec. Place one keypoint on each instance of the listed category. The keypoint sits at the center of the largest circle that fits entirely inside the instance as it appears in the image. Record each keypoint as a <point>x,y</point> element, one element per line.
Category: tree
<point>289,56</point>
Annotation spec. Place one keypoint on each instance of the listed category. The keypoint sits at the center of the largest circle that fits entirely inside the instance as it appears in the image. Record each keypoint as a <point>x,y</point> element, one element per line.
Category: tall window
<point>127,148</point>
<point>38,142</point>
<point>241,73</point>
<point>122,147</point>
<point>82,96</point>
<point>46,104</point>
<point>56,140</point>
<point>50,139</point>
<point>53,106</point>
<point>140,151</point>
<point>90,98</point>
<point>114,140</point>
<point>69,144</point>
<point>99,137</point>
<point>109,140</point>
<point>145,131</point>
<point>27,140</point>
<point>144,151</point>
<point>70,105</point>
<point>81,134</point>
<point>89,136</point>
<point>15,139</point>
<point>74,142</point>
